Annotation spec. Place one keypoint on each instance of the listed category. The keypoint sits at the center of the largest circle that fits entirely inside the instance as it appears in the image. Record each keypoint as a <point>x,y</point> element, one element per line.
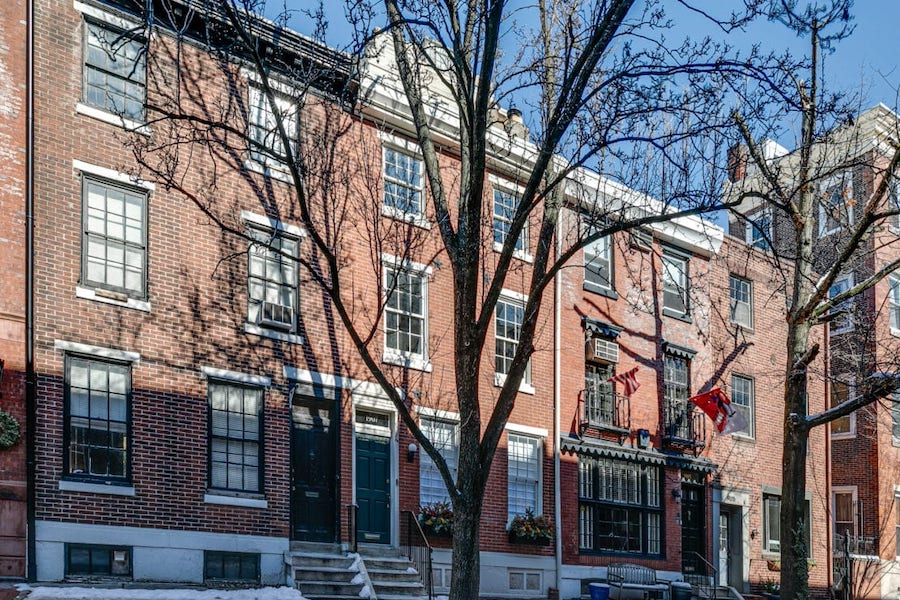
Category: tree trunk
<point>466,561</point>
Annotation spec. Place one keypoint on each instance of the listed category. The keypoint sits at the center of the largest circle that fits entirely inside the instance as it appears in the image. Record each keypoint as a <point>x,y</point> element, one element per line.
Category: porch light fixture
<point>411,453</point>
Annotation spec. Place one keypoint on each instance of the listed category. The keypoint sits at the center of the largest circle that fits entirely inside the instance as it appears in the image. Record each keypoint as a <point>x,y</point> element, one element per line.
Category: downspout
<point>557,351</point>
<point>30,379</point>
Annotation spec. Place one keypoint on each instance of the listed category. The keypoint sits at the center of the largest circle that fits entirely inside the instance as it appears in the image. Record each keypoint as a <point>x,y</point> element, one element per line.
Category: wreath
<point>9,430</point>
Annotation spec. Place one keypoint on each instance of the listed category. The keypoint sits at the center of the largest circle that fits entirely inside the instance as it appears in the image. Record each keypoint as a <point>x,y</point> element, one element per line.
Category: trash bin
<point>681,590</point>
<point>600,591</point>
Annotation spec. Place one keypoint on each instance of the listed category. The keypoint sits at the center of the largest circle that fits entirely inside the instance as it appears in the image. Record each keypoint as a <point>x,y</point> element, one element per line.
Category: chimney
<point>737,162</point>
<point>515,125</point>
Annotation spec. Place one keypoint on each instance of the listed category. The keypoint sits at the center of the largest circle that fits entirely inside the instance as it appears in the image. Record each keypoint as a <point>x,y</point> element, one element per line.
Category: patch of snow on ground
<point>86,593</point>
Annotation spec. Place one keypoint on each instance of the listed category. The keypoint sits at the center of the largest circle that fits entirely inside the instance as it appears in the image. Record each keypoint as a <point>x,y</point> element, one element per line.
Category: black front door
<point>313,499</point>
<point>693,531</point>
<point>373,480</point>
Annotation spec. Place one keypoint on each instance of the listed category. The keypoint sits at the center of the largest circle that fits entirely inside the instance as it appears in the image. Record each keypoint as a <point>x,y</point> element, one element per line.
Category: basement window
<point>231,566</point>
<point>93,560</point>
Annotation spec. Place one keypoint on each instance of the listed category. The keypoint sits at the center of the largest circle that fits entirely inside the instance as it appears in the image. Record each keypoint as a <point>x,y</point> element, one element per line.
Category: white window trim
<point>112,175</point>
<point>417,361</point>
<point>436,413</point>
<point>849,316</point>
<point>274,224</point>
<point>525,573</point>
<point>416,218</point>
<point>844,489</point>
<point>105,116</point>
<point>684,285</point>
<point>823,217</point>
<point>527,430</point>
<point>98,351</point>
<point>539,496</point>
<point>749,302</point>
<point>86,293</point>
<point>65,485</point>
<point>235,501</point>
<point>500,378</point>
<point>851,393</point>
<point>101,15</point>
<point>293,231</point>
<point>590,249</point>
<point>236,376</point>
<point>892,278</point>
<point>504,185</point>
<point>751,421</point>
<point>268,171</point>
<point>748,231</point>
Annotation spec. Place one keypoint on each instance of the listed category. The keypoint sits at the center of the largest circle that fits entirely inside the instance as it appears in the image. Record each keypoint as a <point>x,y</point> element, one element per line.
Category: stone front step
<point>324,575</point>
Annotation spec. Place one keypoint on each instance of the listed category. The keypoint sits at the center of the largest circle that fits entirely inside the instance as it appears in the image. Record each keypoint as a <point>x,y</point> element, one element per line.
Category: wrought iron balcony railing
<point>607,410</point>
<point>683,426</point>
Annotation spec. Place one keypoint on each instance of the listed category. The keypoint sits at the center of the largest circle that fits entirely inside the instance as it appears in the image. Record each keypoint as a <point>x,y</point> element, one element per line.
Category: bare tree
<point>830,205</point>
<point>608,93</point>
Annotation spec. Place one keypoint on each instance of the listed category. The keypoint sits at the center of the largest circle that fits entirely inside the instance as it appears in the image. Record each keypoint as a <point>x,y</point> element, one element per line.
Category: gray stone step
<point>313,561</point>
<point>323,574</point>
<point>399,589</point>
<point>320,589</point>
<point>392,575</point>
<point>400,563</point>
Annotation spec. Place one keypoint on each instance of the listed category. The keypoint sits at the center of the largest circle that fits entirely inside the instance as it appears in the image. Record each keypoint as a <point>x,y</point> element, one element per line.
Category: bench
<point>635,581</point>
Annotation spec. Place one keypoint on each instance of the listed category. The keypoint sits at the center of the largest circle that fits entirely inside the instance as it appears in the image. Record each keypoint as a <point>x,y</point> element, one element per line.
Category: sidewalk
<point>82,592</point>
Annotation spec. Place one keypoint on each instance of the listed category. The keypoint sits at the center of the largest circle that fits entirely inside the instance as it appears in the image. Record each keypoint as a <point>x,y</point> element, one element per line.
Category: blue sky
<point>867,62</point>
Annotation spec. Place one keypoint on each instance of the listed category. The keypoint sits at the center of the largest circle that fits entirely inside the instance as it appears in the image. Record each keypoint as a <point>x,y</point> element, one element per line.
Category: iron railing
<point>861,545</point>
<point>606,409</point>
<point>703,571</point>
<point>352,526</point>
<point>684,426</point>
<point>418,550</point>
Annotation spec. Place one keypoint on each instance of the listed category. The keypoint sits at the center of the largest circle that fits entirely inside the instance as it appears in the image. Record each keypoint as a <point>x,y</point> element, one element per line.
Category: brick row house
<point>201,409</point>
<point>862,341</point>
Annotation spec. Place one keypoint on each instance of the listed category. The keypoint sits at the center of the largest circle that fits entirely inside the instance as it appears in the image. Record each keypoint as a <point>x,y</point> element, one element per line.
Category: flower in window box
<point>436,517</point>
<point>531,529</point>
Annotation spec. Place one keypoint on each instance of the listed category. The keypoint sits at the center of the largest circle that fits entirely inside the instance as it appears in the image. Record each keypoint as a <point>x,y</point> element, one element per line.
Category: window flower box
<point>530,529</point>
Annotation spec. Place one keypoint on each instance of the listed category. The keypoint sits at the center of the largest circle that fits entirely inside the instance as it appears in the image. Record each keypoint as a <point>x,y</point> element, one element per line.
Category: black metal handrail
<point>352,526</point>
<point>710,568</point>
<point>603,408</point>
<point>419,551</point>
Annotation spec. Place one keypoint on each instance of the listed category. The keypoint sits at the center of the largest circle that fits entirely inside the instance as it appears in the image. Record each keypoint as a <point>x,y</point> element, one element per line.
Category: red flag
<point>628,379</point>
<point>717,407</point>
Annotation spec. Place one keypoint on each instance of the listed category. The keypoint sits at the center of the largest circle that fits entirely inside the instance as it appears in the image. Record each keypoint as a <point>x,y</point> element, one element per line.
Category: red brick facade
<point>12,282</point>
<point>191,328</point>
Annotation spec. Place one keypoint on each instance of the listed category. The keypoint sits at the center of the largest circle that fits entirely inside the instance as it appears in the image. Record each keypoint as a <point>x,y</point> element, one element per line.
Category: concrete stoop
<point>324,572</point>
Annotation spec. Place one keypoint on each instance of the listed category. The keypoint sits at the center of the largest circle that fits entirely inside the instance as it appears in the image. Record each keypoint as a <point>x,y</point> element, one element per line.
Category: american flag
<point>628,379</point>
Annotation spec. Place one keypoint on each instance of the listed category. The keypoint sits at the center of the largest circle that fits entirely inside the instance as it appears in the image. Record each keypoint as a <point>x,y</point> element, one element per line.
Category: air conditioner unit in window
<point>276,316</point>
<point>606,350</point>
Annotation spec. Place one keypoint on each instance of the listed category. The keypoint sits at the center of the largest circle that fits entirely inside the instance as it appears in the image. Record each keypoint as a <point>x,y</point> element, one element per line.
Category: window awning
<point>679,351</point>
<point>593,327</point>
<point>689,463</point>
<point>610,450</point>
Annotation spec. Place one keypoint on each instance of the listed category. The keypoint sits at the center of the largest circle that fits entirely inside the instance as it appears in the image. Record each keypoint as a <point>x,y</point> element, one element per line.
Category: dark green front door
<point>693,530</point>
<point>373,479</point>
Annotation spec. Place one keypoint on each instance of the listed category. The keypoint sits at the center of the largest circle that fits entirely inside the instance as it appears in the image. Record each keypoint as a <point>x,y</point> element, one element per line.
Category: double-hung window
<point>405,312</point>
<point>114,246</point>
<point>266,143</point>
<point>845,426</point>
<point>508,317</point>
<point>272,280</point>
<point>444,436</point>
<point>894,302</point>
<point>742,399</point>
<point>598,264</point>
<point>402,182</point>
<point>759,230</point>
<point>619,507</point>
<point>740,293</point>
<point>843,321</point>
<point>844,511</point>
<point>98,419</point>
<point>235,437</point>
<point>114,71</point>
<point>772,523</point>
<point>505,206</point>
<point>524,475</point>
<point>835,205</point>
<point>676,384</point>
<point>675,284</point>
